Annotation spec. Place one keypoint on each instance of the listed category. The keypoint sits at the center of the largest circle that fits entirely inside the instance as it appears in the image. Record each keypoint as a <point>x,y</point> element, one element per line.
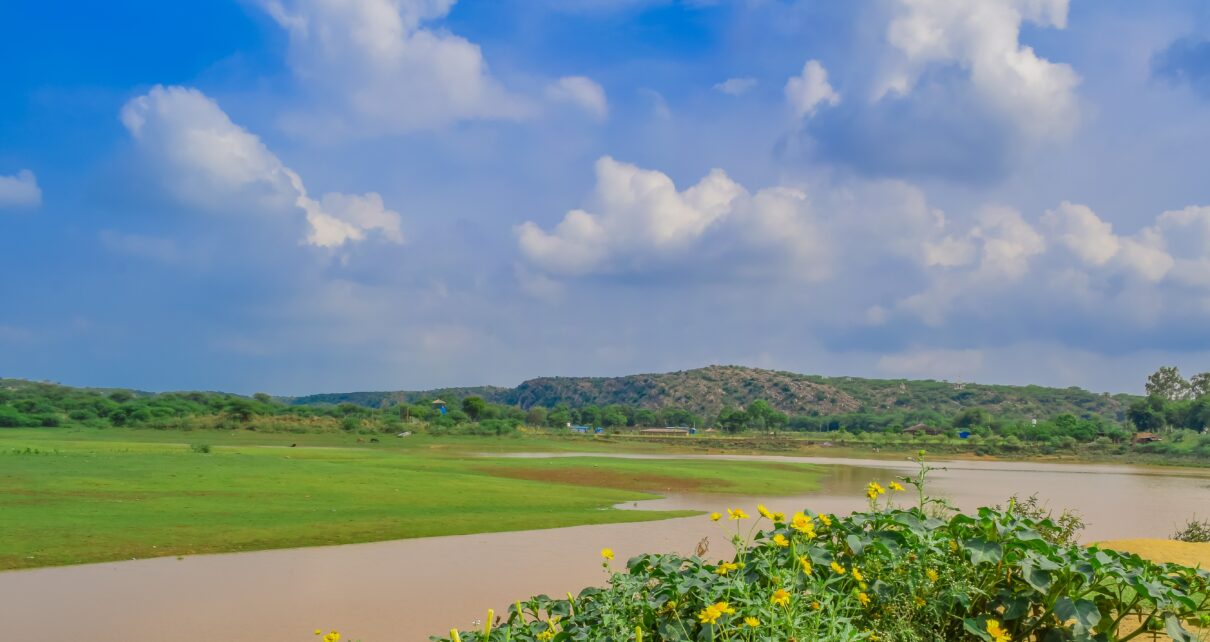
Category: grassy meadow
<point>72,496</point>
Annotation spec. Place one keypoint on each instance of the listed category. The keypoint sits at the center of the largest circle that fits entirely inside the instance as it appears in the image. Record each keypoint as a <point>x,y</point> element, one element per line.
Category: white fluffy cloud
<point>736,86</point>
<point>983,39</point>
<point>637,220</point>
<point>20,190</point>
<point>582,92</point>
<point>641,214</point>
<point>376,68</point>
<point>810,89</point>
<point>207,158</point>
<point>1176,247</point>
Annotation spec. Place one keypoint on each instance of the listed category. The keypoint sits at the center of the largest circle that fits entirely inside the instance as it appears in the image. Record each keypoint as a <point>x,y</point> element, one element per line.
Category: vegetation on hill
<point>707,391</point>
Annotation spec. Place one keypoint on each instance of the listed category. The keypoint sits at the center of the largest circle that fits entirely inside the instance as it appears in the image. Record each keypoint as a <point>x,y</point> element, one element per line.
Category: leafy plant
<point>1195,530</point>
<point>1064,530</point>
<point>888,574</point>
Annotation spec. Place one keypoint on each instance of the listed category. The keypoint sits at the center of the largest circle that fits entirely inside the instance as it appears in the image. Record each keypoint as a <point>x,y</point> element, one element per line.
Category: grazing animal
<point>294,445</point>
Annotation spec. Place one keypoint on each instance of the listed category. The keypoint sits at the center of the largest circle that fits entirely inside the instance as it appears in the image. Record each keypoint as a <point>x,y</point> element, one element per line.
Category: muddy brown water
<point>407,589</point>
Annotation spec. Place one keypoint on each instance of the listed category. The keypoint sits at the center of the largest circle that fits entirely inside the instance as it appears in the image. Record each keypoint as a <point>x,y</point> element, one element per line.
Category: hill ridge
<point>709,389</point>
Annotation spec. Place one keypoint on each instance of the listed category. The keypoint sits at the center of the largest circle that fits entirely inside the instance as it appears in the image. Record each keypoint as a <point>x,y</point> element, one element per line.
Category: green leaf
<point>1176,630</point>
<point>984,552</point>
<point>977,627</point>
<point>1040,579</point>
<point>1084,612</point>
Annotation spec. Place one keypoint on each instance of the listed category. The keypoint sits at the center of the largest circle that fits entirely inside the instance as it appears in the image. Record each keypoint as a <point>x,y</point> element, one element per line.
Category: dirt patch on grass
<point>603,478</point>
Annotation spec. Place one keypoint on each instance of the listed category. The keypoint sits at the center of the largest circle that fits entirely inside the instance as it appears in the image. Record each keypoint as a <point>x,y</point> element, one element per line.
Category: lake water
<point>408,589</point>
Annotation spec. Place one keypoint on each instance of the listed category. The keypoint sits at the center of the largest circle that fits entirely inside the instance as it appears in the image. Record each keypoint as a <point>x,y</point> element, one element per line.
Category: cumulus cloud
<point>208,158</point>
<point>641,212</point>
<point>983,40</point>
<point>736,86</point>
<point>582,92</point>
<point>20,190</point>
<point>376,67</point>
<point>810,89</point>
<point>637,220</point>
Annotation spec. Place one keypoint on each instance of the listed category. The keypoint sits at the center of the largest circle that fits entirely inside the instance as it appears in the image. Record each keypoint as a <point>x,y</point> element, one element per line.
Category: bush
<point>201,449</point>
<point>1194,531</point>
<point>887,574</point>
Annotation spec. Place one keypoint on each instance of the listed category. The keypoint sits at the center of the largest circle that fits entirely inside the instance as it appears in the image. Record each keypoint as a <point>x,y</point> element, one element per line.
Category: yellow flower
<point>932,575</point>
<point>781,597</point>
<point>737,513</point>
<point>319,632</point>
<point>863,598</point>
<point>548,634</point>
<point>779,517</point>
<point>827,521</point>
<point>954,545</point>
<point>781,540</point>
<point>332,637</point>
<point>873,637</point>
<point>751,621</point>
<point>806,565</point>
<point>998,634</point>
<point>919,601</point>
<point>803,524</point>
<point>453,636</point>
<point>714,517</point>
<point>712,613</point>
<point>896,486</point>
<point>838,568</point>
<point>816,605</point>
<point>873,490</point>
<point>857,575</point>
<point>607,553</point>
<point>726,567</point>
<point>764,512</point>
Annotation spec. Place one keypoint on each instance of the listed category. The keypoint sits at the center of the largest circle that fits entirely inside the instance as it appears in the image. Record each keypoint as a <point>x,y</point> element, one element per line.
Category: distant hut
<point>921,429</point>
<point>1145,438</point>
<point>439,406</point>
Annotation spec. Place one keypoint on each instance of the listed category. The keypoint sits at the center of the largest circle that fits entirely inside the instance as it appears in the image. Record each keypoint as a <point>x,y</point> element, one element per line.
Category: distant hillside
<point>494,394</point>
<point>708,390</point>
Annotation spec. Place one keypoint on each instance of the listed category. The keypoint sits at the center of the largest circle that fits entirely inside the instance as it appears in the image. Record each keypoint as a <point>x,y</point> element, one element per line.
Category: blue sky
<point>296,196</point>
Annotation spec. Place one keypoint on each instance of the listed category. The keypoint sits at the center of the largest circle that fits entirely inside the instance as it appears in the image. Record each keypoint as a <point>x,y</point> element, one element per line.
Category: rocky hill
<point>708,390</point>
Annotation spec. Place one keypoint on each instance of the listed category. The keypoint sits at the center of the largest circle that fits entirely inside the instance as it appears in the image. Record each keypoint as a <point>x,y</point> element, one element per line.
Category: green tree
<point>613,416</point>
<point>732,420</point>
<point>1199,385</point>
<point>1167,383</point>
<point>536,416</point>
<point>971,418</point>
<point>559,417</point>
<point>1147,414</point>
<point>474,407</point>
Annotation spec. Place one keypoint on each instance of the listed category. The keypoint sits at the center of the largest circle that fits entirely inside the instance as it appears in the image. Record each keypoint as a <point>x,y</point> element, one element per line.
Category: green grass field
<point>75,496</point>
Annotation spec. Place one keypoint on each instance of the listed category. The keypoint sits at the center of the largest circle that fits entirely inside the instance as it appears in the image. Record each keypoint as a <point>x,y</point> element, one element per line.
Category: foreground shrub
<point>887,574</point>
